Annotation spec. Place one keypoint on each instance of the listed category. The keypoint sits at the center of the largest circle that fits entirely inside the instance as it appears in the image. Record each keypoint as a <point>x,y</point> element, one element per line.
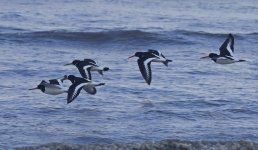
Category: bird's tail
<point>166,62</point>
<point>100,84</point>
<point>241,60</point>
<point>93,84</point>
<point>104,69</point>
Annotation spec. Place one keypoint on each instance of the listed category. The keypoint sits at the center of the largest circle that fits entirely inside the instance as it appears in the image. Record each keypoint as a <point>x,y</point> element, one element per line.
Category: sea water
<point>191,99</point>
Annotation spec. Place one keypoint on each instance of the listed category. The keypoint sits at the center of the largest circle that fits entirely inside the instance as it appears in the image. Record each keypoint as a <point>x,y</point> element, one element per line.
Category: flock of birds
<point>55,86</point>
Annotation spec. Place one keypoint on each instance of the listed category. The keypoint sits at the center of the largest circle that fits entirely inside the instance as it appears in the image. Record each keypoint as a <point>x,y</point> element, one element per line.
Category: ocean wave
<point>94,36</point>
<point>161,145</point>
<point>6,30</point>
<point>213,34</point>
<point>129,37</point>
<point>113,36</point>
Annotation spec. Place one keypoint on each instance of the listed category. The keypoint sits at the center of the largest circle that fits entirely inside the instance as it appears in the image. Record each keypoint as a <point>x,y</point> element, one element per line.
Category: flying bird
<point>226,53</point>
<point>77,84</point>
<point>51,87</point>
<point>86,66</point>
<point>144,62</point>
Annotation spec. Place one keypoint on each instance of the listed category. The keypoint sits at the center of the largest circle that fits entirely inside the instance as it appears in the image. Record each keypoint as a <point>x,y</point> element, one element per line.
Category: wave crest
<point>117,36</point>
<point>162,145</point>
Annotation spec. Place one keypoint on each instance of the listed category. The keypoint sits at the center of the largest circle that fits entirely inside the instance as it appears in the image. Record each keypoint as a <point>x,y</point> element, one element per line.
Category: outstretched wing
<point>56,82</point>
<point>85,68</point>
<point>90,61</point>
<point>43,82</point>
<point>51,84</point>
<point>87,72</point>
<point>227,48</point>
<point>156,52</point>
<point>144,66</point>
<point>74,90</point>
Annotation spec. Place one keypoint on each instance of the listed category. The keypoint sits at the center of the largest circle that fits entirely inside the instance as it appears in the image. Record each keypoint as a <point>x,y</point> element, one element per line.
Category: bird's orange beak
<point>34,88</point>
<point>204,57</point>
<point>65,77</point>
<point>68,64</point>
<point>131,56</point>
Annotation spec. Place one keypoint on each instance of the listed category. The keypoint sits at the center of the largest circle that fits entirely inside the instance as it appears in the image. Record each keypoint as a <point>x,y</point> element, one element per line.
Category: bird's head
<point>69,77</point>
<point>211,55</point>
<point>137,54</point>
<point>76,61</point>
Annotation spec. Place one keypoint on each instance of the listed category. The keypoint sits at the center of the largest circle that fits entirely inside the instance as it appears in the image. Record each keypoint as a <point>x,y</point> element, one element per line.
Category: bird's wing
<point>85,68</point>
<point>52,86</point>
<point>86,71</point>
<point>156,52</point>
<point>43,82</point>
<point>227,48</point>
<point>90,62</point>
<point>74,90</point>
<point>144,66</point>
<point>56,82</point>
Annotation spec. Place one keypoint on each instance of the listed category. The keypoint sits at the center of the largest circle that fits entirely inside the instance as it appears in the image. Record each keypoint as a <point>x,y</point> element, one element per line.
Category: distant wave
<point>205,33</point>
<point>95,36</point>
<point>119,36</point>
<point>4,29</point>
<point>162,145</point>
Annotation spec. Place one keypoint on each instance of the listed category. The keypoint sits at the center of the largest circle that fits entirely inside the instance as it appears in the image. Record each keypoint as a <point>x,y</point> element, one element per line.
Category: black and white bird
<point>52,87</point>
<point>144,62</point>
<point>86,66</point>
<point>226,53</point>
<point>77,84</point>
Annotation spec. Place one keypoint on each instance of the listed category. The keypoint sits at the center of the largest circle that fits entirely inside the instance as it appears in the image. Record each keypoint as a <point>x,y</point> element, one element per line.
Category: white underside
<point>96,68</point>
<point>55,90</point>
<point>225,61</point>
<point>89,88</point>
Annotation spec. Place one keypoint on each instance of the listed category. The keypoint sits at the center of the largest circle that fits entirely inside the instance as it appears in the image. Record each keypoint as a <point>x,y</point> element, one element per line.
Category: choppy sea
<point>191,99</point>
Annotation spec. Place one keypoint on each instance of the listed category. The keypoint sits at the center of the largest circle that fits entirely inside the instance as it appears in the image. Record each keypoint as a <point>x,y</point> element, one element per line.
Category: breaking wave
<point>122,36</point>
<point>162,145</point>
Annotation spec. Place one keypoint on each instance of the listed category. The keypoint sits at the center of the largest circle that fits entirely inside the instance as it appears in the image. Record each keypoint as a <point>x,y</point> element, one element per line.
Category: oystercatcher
<point>144,62</point>
<point>52,87</point>
<point>226,53</point>
<point>86,66</point>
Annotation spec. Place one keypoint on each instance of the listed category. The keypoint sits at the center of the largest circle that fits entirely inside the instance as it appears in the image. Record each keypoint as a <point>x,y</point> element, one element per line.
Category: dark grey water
<point>192,99</point>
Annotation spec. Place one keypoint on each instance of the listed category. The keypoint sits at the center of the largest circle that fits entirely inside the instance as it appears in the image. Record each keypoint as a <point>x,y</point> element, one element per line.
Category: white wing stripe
<point>229,48</point>
<point>92,63</point>
<point>86,70</point>
<point>77,88</point>
<point>146,66</point>
<point>147,61</point>
<point>159,57</point>
<point>60,82</point>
